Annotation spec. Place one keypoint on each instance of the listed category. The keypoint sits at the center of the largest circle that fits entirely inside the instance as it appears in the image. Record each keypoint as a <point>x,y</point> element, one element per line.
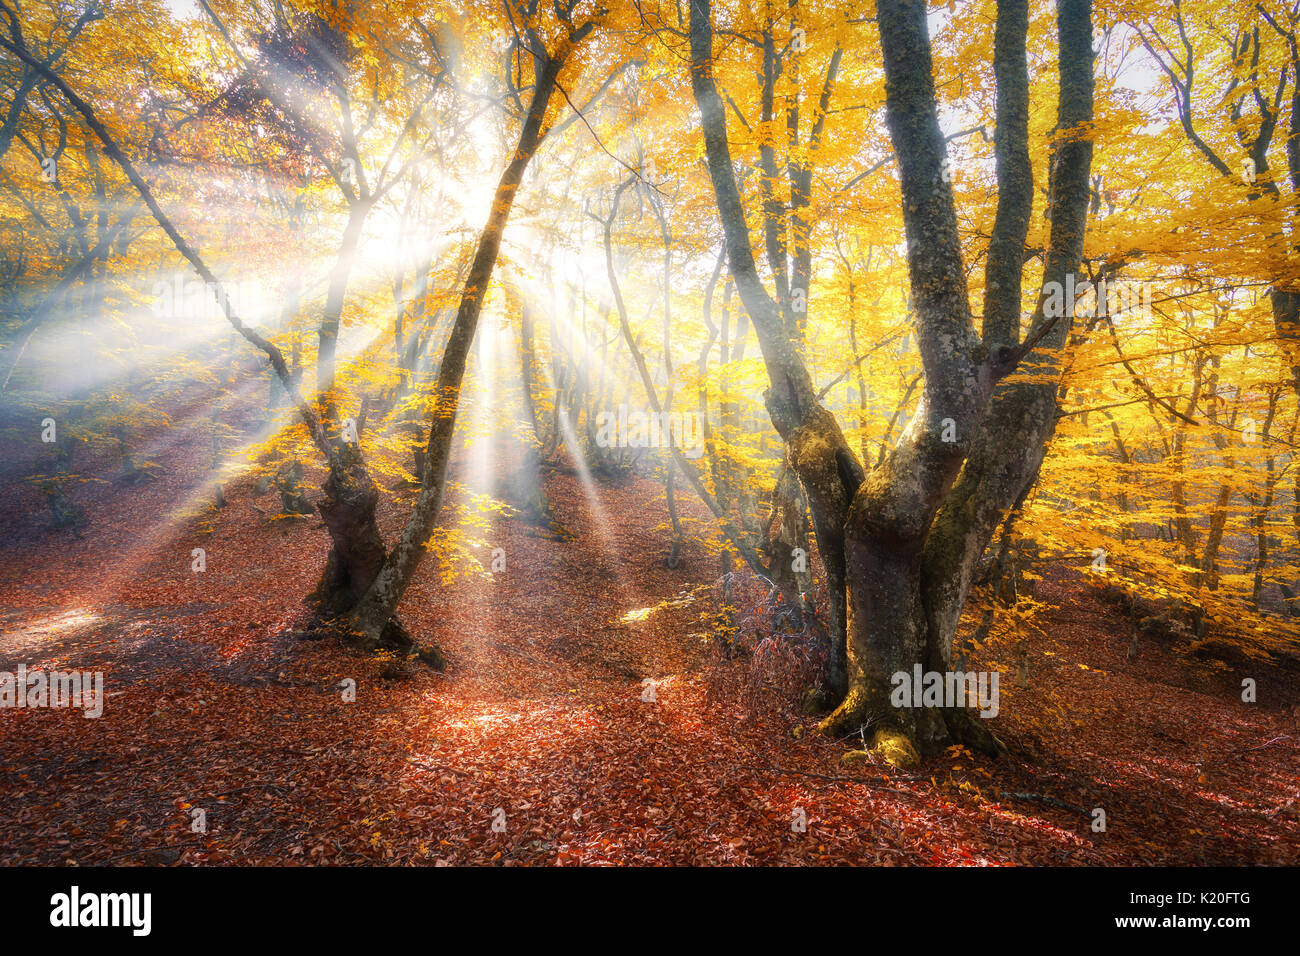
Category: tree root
<point>393,637</point>
<point>852,715</point>
<point>895,743</point>
<point>855,713</point>
<point>896,747</point>
<point>970,731</point>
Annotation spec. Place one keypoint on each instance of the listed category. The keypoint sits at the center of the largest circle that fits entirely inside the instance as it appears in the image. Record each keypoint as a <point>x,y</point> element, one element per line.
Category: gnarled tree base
<point>851,716</point>
<point>357,551</point>
<point>896,747</point>
<point>857,712</point>
<point>393,637</point>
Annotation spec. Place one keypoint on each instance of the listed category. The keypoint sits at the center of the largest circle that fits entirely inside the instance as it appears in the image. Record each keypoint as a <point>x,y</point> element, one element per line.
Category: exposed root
<point>896,747</point>
<point>972,732</point>
<point>393,637</point>
<point>853,713</point>
<point>856,713</point>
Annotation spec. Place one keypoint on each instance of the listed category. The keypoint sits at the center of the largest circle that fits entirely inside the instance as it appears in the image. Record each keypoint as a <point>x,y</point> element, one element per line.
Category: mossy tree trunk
<point>899,544</point>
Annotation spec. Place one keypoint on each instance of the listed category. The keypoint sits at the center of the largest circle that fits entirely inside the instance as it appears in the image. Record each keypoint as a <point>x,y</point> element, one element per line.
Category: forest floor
<point>539,723</point>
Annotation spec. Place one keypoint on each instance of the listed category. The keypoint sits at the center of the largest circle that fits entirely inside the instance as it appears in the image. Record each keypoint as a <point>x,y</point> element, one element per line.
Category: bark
<point>1011,442</point>
<point>874,550</point>
<point>1259,518</point>
<point>892,511</point>
<point>857,367</point>
<point>357,550</point>
<point>788,530</point>
<point>1209,575</point>
<point>1002,273</point>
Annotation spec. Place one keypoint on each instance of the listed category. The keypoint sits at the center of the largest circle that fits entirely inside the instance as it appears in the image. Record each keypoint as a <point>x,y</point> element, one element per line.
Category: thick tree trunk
<point>357,551</point>
<point>1009,448</point>
<point>1286,319</point>
<point>892,511</point>
<point>874,550</point>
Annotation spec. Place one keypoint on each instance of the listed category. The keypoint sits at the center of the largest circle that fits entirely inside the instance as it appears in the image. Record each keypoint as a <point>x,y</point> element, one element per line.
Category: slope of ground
<point>543,742</point>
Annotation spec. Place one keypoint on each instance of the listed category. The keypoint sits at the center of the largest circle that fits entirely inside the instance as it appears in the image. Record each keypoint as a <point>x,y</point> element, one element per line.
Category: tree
<point>375,610</point>
<point>895,608</point>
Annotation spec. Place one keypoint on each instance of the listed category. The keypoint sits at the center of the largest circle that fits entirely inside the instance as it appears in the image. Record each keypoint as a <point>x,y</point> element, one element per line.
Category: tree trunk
<point>873,531</point>
<point>1011,442</point>
<point>357,551</point>
<point>374,612</point>
<point>334,301</point>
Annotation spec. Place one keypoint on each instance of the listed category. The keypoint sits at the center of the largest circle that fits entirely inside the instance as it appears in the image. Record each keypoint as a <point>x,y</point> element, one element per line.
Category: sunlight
<point>808,348</point>
<point>65,621</point>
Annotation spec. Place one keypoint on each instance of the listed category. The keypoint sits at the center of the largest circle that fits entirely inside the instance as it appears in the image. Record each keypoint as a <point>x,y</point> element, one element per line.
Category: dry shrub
<point>764,652</point>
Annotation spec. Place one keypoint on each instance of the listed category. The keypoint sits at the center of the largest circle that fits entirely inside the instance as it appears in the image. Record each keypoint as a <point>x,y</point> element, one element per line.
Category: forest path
<point>538,744</point>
